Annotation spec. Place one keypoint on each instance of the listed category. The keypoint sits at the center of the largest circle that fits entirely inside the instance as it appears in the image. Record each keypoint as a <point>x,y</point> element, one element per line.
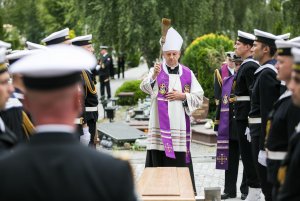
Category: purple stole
<point>223,132</point>
<point>163,116</point>
<point>224,71</point>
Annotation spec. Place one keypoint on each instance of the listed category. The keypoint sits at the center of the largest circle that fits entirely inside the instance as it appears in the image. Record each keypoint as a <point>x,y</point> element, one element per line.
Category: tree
<point>16,13</point>
<point>1,28</point>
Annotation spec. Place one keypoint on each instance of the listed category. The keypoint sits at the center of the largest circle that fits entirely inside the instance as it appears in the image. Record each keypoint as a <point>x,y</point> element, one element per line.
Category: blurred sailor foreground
<point>53,165</point>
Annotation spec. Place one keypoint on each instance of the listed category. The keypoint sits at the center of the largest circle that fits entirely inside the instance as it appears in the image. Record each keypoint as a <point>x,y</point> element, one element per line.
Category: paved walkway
<point>130,74</point>
<point>203,156</point>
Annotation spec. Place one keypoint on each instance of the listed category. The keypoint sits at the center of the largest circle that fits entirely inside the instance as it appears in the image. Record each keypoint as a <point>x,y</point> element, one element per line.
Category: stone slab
<point>120,131</point>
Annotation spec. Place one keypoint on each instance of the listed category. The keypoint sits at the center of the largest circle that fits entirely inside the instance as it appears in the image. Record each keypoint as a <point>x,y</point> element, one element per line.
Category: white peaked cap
<point>55,61</point>
<point>264,34</point>
<point>297,39</point>
<point>55,35</point>
<point>265,37</point>
<point>287,44</point>
<point>82,38</point>
<point>230,54</point>
<point>19,54</point>
<point>4,44</point>
<point>296,54</point>
<point>284,36</point>
<point>173,40</point>
<point>246,35</point>
<point>33,46</point>
<point>2,55</point>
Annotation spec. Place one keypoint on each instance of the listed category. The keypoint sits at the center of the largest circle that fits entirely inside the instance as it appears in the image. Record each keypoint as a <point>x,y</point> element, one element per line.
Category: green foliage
<point>12,36</point>
<point>203,56</point>
<point>1,28</point>
<point>133,59</point>
<point>131,25</point>
<point>131,86</point>
<point>291,16</point>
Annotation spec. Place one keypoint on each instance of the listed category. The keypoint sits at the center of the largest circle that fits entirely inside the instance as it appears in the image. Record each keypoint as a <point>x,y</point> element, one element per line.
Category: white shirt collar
<point>231,70</point>
<point>287,93</point>
<point>54,128</point>
<point>2,125</point>
<point>266,66</point>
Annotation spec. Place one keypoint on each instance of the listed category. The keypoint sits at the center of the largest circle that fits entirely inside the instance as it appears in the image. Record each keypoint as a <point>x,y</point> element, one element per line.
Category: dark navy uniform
<point>289,173</point>
<point>90,114</point>
<point>104,72</point>
<point>64,169</point>
<point>7,138</point>
<point>234,152</point>
<point>12,117</point>
<point>121,65</point>
<point>265,91</point>
<point>28,127</point>
<point>244,81</point>
<point>282,121</point>
<point>15,117</point>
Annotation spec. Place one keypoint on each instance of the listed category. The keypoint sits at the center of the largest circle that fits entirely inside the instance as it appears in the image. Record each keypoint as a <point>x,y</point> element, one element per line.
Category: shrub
<point>133,59</point>
<point>131,86</point>
<point>203,56</point>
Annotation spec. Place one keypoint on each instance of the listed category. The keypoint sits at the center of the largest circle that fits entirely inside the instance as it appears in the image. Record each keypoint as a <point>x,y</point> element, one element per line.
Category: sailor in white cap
<point>90,103</point>
<point>175,94</point>
<point>58,37</point>
<point>106,70</point>
<point>265,91</point>
<point>244,80</point>
<point>14,116</point>
<point>7,138</point>
<point>53,159</point>
<point>288,175</point>
<point>280,132</point>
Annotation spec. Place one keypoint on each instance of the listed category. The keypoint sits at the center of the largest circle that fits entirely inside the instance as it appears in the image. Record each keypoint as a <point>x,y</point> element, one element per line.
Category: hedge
<point>131,86</point>
<point>203,56</point>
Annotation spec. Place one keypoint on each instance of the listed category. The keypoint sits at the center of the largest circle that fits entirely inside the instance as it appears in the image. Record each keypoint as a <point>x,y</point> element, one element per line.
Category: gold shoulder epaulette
<point>233,85</point>
<point>219,77</point>
<point>27,125</point>
<point>92,89</point>
<point>268,127</point>
<point>281,174</point>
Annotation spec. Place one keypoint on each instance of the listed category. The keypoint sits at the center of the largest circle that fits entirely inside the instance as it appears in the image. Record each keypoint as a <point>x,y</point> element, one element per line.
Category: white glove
<point>262,158</point>
<point>85,138</point>
<point>97,67</point>
<point>247,133</point>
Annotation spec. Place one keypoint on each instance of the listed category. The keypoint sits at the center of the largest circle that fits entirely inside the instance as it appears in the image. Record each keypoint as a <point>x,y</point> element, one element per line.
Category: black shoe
<point>243,196</point>
<point>227,196</point>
